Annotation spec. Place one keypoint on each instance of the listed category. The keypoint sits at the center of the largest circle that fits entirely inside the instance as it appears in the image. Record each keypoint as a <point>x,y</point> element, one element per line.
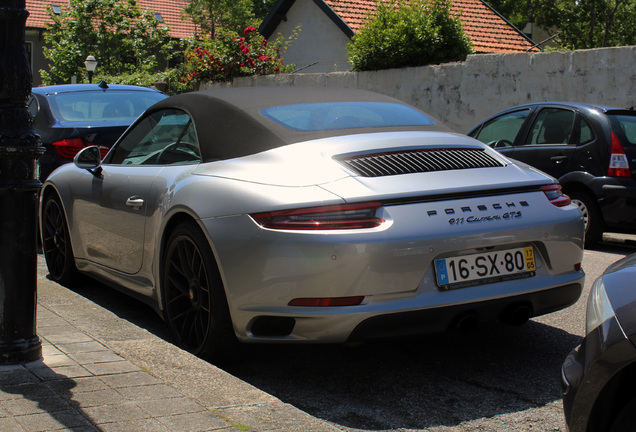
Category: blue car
<point>73,116</point>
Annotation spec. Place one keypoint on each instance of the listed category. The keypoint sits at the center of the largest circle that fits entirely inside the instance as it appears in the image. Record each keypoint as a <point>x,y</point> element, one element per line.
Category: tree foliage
<point>577,24</point>
<point>414,33</point>
<point>210,15</point>
<point>121,36</point>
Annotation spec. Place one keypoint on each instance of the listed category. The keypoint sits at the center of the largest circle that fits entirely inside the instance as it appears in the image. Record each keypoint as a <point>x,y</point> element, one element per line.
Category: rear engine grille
<point>419,161</point>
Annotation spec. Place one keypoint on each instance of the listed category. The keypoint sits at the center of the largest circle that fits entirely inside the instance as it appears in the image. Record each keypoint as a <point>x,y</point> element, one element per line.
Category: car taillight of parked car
<point>66,149</point>
<point>554,193</point>
<point>618,166</point>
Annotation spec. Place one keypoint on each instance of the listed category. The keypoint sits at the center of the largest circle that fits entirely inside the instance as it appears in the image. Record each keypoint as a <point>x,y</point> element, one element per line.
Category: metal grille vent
<point>419,161</point>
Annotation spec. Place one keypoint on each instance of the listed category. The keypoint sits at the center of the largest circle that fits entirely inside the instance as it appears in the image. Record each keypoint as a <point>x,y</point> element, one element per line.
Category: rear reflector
<point>554,193</point>
<point>326,302</point>
<point>618,166</point>
<point>346,216</point>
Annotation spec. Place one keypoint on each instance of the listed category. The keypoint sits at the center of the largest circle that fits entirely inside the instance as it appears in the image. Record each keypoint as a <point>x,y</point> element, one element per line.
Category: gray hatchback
<point>590,149</point>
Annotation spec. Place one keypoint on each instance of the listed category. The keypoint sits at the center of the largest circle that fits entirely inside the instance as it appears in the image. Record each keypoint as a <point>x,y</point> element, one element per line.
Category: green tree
<point>121,36</point>
<point>209,15</point>
<point>577,24</point>
<point>414,33</point>
<point>262,7</point>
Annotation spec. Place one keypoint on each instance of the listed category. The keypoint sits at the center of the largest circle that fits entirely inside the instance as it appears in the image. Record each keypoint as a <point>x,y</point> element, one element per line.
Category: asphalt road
<point>495,378</point>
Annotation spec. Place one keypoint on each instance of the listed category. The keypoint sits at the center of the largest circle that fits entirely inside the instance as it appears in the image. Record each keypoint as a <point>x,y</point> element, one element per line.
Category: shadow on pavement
<point>416,383</point>
<point>48,392</point>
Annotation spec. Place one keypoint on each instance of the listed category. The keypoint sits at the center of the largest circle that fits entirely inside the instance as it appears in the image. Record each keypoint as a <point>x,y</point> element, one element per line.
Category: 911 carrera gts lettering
<point>471,219</point>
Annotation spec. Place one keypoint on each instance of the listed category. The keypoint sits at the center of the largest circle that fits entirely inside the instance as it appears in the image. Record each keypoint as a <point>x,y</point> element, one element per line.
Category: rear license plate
<point>483,268</point>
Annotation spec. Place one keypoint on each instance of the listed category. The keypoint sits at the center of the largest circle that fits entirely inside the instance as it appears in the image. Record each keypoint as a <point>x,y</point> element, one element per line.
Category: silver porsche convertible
<point>311,215</point>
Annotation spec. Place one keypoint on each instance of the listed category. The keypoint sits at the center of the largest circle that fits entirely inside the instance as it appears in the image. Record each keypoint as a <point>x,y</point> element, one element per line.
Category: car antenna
<point>102,85</point>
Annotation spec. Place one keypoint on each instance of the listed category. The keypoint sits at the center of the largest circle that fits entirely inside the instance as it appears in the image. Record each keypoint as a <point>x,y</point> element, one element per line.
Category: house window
<point>57,9</point>
<point>158,17</point>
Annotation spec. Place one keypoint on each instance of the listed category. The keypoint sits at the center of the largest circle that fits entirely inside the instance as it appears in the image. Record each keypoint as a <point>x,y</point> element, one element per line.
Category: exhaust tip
<point>465,323</point>
<point>516,314</point>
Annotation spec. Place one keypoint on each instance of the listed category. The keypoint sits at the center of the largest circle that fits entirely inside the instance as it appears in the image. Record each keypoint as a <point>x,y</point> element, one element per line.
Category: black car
<point>599,376</point>
<point>73,116</point>
<point>590,149</point>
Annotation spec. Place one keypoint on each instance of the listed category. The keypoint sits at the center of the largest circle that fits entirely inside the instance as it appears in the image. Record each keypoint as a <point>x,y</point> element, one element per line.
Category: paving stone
<point>113,413</point>
<point>97,398</point>
<point>81,347</point>
<point>61,373</point>
<point>196,422</point>
<point>131,379</point>
<point>118,367</point>
<point>149,392</point>
<point>96,357</point>
<point>166,407</point>
<point>144,425</point>
<point>25,406</point>
<point>52,421</point>
<point>69,387</point>
<point>10,425</point>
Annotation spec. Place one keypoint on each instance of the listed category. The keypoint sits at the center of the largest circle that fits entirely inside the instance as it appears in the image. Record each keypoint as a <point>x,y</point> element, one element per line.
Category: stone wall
<point>462,94</point>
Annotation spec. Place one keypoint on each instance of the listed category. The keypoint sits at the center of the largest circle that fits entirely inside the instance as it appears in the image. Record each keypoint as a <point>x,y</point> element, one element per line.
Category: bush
<point>402,34</point>
<point>231,55</point>
<point>172,77</point>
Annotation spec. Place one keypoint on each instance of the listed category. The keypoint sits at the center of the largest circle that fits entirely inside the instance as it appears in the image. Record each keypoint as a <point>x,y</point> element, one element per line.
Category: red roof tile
<point>170,11</point>
<point>489,32</point>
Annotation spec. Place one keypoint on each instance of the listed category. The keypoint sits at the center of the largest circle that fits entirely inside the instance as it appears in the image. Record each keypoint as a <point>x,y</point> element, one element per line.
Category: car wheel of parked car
<point>56,243</point>
<point>626,420</point>
<point>591,216</point>
<point>194,300</point>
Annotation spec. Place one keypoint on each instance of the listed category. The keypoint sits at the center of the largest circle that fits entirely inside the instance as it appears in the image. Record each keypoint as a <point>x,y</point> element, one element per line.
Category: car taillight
<point>66,149</point>
<point>618,166</point>
<point>346,216</point>
<point>555,195</point>
<point>327,301</point>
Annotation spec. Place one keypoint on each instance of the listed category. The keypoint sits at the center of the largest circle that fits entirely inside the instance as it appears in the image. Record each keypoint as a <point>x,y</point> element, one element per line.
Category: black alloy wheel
<point>56,243</point>
<point>194,299</point>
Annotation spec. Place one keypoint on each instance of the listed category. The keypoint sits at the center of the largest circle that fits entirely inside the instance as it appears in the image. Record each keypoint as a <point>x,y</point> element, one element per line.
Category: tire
<point>193,296</point>
<point>591,216</point>
<point>56,244</point>
<point>626,419</point>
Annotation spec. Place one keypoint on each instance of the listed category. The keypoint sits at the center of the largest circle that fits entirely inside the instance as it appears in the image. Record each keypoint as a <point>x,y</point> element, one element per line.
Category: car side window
<point>503,130</point>
<point>552,126</point>
<point>33,106</point>
<point>165,137</point>
<point>586,134</point>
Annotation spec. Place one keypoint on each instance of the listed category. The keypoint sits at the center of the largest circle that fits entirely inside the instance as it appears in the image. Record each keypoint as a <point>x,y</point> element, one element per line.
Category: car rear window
<point>345,115</point>
<point>624,125</point>
<point>113,105</point>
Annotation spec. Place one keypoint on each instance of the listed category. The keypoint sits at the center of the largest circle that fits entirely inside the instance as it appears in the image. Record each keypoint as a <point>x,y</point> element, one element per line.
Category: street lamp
<point>20,149</point>
<point>91,64</point>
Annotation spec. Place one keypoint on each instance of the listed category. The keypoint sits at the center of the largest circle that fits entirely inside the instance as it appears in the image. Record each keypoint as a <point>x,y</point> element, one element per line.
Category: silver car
<point>311,215</point>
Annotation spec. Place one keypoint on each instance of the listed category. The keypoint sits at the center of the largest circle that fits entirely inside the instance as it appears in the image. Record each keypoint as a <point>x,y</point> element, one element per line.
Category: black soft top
<point>230,124</point>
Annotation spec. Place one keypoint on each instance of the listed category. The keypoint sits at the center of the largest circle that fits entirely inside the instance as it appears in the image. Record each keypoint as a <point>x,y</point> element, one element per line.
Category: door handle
<point>135,202</point>
<point>558,159</point>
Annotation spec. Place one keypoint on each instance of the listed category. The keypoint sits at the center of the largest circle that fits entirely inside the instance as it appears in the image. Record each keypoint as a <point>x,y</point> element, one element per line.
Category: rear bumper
<point>511,309</point>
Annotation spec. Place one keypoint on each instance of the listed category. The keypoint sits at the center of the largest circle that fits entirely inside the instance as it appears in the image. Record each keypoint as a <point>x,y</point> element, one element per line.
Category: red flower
<point>249,30</point>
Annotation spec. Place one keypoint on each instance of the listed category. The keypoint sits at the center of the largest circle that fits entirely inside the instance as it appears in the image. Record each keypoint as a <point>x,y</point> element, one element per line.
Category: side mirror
<point>88,158</point>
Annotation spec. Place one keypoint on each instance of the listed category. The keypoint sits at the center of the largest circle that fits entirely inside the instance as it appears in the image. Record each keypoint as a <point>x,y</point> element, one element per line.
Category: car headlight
<point>599,308</point>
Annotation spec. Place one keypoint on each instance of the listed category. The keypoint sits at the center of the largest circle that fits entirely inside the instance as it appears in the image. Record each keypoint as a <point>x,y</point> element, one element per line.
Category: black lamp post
<point>20,150</point>
<point>91,65</point>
